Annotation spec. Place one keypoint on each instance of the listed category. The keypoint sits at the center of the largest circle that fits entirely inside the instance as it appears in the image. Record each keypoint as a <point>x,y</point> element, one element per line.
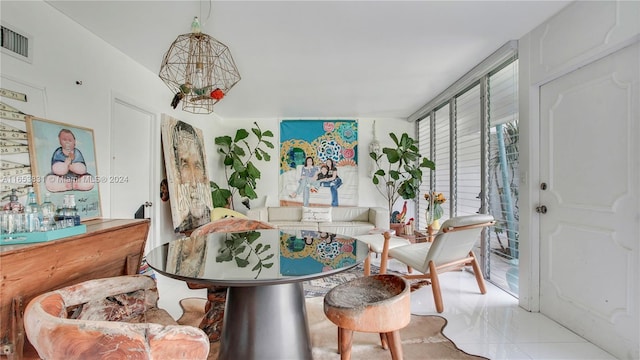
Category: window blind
<point>468,168</point>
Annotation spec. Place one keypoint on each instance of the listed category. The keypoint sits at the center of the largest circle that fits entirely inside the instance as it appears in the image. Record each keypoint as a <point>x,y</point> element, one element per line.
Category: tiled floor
<point>491,325</point>
<point>494,326</point>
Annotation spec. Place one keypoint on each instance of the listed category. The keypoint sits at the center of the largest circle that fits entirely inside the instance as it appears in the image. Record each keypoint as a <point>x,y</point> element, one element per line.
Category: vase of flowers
<point>434,209</point>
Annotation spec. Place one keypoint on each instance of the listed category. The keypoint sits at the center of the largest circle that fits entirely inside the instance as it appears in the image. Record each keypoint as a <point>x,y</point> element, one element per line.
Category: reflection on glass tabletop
<point>257,257</point>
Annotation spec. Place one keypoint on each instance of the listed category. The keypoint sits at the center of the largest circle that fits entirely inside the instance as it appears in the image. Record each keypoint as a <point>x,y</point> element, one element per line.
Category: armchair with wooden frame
<point>450,250</point>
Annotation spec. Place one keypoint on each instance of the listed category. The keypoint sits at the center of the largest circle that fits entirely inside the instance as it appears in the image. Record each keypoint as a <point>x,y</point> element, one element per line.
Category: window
<point>471,133</point>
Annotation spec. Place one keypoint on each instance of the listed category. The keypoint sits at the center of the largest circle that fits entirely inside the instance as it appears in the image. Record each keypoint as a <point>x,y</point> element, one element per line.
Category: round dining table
<point>265,315</point>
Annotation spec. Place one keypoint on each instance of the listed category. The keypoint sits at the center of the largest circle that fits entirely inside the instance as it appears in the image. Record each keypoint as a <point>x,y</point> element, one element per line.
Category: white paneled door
<point>590,184</point>
<point>131,150</point>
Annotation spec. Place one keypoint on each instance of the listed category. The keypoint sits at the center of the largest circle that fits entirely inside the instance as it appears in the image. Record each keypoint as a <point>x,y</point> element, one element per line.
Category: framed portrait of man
<point>187,175</point>
<point>63,162</point>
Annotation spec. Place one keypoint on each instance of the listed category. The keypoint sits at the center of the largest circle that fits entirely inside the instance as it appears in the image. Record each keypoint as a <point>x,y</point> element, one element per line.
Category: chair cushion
<point>376,241</point>
<point>413,255</point>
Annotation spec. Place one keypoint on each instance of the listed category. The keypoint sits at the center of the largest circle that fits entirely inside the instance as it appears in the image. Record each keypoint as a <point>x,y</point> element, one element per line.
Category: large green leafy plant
<point>240,172</point>
<point>399,169</point>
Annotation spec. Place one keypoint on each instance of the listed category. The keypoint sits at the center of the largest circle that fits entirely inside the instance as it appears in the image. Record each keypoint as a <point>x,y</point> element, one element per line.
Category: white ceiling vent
<point>16,43</point>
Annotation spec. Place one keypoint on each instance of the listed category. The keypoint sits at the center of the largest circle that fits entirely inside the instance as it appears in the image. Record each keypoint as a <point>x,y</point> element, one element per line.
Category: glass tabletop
<point>257,257</point>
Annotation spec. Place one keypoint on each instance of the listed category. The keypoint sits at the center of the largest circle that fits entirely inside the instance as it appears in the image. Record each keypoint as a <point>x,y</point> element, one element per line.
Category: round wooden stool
<point>376,304</point>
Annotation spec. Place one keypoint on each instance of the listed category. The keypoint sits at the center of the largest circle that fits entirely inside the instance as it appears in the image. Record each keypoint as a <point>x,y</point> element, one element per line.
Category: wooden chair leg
<point>345,344</point>
<point>435,287</point>
<point>339,339</point>
<point>478,273</point>
<point>385,253</point>
<point>367,265</point>
<point>383,341</point>
<point>395,345</point>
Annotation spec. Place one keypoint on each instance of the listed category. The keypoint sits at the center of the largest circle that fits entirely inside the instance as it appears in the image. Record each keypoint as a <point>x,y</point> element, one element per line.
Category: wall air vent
<point>15,43</point>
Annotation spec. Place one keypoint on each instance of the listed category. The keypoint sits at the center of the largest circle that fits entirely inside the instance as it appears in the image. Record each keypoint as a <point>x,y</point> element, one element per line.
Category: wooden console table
<point>110,247</point>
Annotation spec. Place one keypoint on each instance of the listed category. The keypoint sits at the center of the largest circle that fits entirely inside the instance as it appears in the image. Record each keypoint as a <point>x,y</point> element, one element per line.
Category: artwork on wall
<point>17,101</point>
<point>63,162</point>
<point>318,163</point>
<point>187,175</point>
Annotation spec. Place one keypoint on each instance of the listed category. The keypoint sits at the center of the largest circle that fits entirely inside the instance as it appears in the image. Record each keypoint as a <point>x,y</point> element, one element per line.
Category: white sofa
<point>345,220</point>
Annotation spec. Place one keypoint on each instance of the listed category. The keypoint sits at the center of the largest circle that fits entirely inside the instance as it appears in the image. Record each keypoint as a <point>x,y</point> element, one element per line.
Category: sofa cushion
<point>349,228</point>
<point>319,214</point>
<point>285,213</point>
<point>350,213</point>
<point>295,225</point>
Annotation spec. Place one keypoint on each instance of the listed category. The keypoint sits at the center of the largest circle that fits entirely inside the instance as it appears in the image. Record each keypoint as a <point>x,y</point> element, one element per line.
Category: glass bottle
<point>32,212</point>
<point>13,204</point>
<point>61,211</point>
<point>48,213</point>
<point>73,211</point>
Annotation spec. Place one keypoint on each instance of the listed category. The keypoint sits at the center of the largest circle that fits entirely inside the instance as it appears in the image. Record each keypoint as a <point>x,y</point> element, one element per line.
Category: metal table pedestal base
<point>265,322</point>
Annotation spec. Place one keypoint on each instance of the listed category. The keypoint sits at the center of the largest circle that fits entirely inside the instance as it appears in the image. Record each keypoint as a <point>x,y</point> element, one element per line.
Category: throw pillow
<point>319,214</point>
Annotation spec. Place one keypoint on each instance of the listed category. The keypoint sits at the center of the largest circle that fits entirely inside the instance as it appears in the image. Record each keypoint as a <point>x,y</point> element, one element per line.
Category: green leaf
<point>253,236</point>
<point>268,143</point>
<point>223,140</point>
<point>258,266</point>
<point>392,155</point>
<point>375,180</point>
<point>428,164</point>
<point>380,172</point>
<point>257,132</point>
<point>238,165</point>
<point>395,175</point>
<point>267,133</point>
<point>241,262</point>
<point>241,134</point>
<point>239,152</point>
<point>224,256</point>
<point>248,192</point>
<point>268,257</point>
<point>394,138</point>
<point>219,197</point>
<point>253,171</point>
<point>268,266</point>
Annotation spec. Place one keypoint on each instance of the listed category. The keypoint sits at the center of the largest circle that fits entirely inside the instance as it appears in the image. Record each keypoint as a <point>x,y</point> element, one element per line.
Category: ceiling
<point>335,59</point>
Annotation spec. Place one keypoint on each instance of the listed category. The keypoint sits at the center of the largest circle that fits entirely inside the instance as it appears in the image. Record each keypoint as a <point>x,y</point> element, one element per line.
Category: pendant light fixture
<point>199,70</point>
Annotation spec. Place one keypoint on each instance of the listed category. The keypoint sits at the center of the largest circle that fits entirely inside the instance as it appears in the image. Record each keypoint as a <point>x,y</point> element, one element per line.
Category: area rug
<point>421,339</point>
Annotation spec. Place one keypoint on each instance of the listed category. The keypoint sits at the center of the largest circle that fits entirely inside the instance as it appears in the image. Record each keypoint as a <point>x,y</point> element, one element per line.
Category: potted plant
<point>399,171</point>
<point>239,171</point>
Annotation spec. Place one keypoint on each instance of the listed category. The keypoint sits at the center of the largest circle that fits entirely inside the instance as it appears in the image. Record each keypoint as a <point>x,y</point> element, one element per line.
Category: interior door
<point>590,180</point>
<point>131,177</point>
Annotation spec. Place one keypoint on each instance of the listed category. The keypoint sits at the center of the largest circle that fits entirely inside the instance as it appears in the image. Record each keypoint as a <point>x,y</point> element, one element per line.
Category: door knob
<point>541,209</point>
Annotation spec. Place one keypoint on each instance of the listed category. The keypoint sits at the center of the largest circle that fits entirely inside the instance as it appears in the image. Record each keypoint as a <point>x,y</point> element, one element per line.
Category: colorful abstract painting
<point>318,163</point>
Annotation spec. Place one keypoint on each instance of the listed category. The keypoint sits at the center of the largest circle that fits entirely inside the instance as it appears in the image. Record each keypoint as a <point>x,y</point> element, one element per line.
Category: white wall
<point>64,52</point>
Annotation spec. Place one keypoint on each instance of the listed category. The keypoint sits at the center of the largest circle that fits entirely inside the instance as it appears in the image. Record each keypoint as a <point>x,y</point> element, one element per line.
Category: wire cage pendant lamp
<point>199,70</point>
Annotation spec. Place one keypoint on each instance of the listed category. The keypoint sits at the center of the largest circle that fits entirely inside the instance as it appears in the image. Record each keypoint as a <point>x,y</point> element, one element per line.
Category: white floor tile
<point>490,325</point>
